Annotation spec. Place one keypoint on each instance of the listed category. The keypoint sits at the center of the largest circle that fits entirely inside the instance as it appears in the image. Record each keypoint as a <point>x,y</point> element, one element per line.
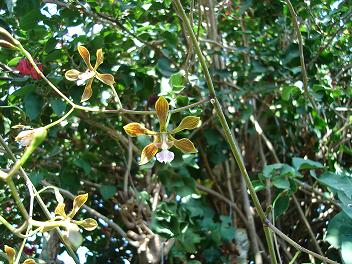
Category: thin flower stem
<point>117,98</point>
<point>177,110</point>
<point>60,120</point>
<point>230,138</point>
<point>295,257</point>
<point>17,198</point>
<point>12,229</point>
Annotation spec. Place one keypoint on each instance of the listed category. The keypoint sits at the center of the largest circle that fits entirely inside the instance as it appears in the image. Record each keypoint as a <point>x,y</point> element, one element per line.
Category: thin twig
<point>128,168</point>
<point>301,54</point>
<point>296,245</point>
<point>306,223</point>
<point>252,230</point>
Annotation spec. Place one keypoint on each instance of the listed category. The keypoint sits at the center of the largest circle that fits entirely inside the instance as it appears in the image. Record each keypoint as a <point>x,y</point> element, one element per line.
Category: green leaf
<point>227,232</point>
<point>33,104</point>
<point>189,240</point>
<point>339,235</point>
<point>212,137</point>
<point>165,221</point>
<point>306,164</point>
<point>22,91</point>
<point>13,62</point>
<point>108,191</point>
<point>175,182</point>
<point>29,20</point>
<point>339,182</point>
<point>269,170</point>
<point>258,185</point>
<point>346,203</point>
<point>81,163</point>
<point>281,182</point>
<point>36,177</point>
<point>58,106</point>
<point>163,65</point>
<point>281,203</point>
<point>288,91</point>
<point>176,82</point>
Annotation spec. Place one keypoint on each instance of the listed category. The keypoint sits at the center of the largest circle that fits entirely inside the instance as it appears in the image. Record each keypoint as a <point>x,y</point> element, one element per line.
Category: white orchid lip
<point>165,156</point>
<point>84,77</point>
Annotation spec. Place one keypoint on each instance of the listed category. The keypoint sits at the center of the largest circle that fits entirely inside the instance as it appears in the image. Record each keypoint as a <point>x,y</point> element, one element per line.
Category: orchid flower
<point>72,233</point>
<point>163,139</point>
<point>88,76</point>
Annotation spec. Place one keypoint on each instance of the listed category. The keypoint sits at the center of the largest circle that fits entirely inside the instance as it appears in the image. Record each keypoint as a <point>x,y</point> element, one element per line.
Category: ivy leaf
<point>306,164</point>
<point>339,182</point>
<point>176,82</point>
<point>281,203</point>
<point>58,106</point>
<point>339,235</point>
<point>107,191</point>
<point>227,232</point>
<point>81,163</point>
<point>33,104</point>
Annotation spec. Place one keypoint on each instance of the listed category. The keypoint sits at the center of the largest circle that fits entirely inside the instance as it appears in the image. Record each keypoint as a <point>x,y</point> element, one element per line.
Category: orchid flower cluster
<point>163,139</point>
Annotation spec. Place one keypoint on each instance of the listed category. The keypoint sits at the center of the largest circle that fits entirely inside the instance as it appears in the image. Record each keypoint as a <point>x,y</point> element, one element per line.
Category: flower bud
<point>5,35</point>
<point>6,45</point>
<point>33,136</point>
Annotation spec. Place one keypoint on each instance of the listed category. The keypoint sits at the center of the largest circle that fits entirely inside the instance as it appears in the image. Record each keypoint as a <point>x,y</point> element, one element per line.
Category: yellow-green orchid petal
<point>88,224</point>
<point>87,93</point>
<point>60,210</point>
<point>99,60</point>
<point>11,254</point>
<point>189,122</point>
<point>162,110</point>
<point>72,75</point>
<point>137,129</point>
<point>105,78</point>
<point>29,261</point>
<point>148,153</point>
<point>85,56</point>
<point>185,145</point>
<point>78,202</point>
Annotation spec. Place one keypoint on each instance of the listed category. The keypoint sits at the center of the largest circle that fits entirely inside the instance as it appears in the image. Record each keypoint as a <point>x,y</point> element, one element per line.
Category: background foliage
<point>298,156</point>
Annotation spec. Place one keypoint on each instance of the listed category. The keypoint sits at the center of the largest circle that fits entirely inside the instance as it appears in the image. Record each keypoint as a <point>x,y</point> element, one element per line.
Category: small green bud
<point>32,137</point>
<point>39,136</point>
